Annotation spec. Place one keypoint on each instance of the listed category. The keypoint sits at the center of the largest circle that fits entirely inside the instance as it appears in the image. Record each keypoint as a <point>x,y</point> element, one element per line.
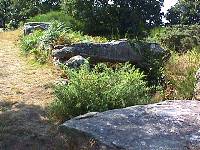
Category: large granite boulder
<point>169,125</point>
<point>30,27</point>
<point>115,51</point>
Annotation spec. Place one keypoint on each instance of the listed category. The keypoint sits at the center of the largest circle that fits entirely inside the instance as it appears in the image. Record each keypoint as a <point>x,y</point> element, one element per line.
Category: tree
<point>15,11</point>
<point>116,16</point>
<point>184,12</point>
<point>48,5</point>
<point>5,11</point>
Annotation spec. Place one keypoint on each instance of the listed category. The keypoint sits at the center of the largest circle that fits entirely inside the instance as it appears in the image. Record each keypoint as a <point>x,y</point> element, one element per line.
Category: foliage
<point>177,38</point>
<point>98,89</point>
<point>180,72</point>
<point>39,42</point>
<point>115,17</point>
<point>58,34</point>
<point>30,42</point>
<point>5,9</point>
<point>53,32</point>
<point>14,11</point>
<point>153,63</point>
<point>184,12</point>
<point>73,37</point>
<point>58,16</point>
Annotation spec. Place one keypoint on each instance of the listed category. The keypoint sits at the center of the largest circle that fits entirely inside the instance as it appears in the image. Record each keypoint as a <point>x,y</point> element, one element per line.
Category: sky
<point>168,4</point>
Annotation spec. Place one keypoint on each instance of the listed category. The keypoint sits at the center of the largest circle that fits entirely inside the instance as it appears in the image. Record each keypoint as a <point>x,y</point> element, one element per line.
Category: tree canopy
<point>185,12</point>
<point>116,16</point>
<point>14,11</point>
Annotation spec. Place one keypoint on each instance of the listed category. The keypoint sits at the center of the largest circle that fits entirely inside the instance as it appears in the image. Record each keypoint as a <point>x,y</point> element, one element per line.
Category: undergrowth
<point>180,73</point>
<point>99,89</point>
<point>179,38</point>
<point>41,43</point>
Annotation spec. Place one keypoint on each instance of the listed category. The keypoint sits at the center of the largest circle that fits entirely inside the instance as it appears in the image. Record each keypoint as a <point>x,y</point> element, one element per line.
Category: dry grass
<point>180,72</point>
<point>25,92</point>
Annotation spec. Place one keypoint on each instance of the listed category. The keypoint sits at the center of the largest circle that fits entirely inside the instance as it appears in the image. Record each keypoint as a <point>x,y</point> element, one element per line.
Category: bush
<point>73,37</point>
<point>177,38</point>
<point>58,16</point>
<point>180,72</point>
<point>99,89</point>
<point>39,42</point>
<point>116,17</point>
<point>29,42</point>
<point>153,63</point>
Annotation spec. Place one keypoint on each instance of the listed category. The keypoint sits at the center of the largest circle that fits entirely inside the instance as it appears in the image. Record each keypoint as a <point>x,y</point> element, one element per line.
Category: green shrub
<point>177,38</point>
<point>153,63</point>
<point>39,42</point>
<point>72,37</point>
<point>180,72</point>
<point>58,16</point>
<point>40,55</point>
<point>54,31</point>
<point>29,42</point>
<point>115,17</point>
<point>99,89</point>
<point>58,34</point>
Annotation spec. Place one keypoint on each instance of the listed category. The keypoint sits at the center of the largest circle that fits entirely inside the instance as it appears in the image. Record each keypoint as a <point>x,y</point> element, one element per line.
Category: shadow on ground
<point>25,127</point>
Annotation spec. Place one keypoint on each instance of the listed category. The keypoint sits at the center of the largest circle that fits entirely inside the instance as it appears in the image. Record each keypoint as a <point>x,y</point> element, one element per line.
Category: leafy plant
<point>184,12</point>
<point>177,38</point>
<point>39,42</point>
<point>59,16</point>
<point>31,41</point>
<point>115,17</point>
<point>54,31</point>
<point>72,37</point>
<point>99,89</point>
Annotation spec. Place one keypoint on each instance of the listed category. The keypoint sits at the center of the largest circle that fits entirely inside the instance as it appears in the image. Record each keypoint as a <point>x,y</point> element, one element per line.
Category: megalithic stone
<point>115,51</point>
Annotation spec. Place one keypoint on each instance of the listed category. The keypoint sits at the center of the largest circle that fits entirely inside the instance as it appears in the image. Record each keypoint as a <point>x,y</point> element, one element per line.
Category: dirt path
<point>25,92</point>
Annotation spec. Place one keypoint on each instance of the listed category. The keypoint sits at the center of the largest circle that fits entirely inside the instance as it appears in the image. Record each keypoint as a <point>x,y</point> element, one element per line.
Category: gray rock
<point>169,125</point>
<point>76,62</point>
<point>59,46</point>
<point>115,51</point>
<point>2,23</point>
<point>154,47</point>
<point>30,27</point>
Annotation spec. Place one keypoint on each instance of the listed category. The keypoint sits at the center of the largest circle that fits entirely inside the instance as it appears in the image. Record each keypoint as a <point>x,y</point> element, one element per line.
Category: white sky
<point>168,4</point>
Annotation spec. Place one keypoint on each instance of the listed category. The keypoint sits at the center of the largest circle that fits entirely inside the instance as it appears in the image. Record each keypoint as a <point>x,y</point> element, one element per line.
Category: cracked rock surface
<point>169,125</point>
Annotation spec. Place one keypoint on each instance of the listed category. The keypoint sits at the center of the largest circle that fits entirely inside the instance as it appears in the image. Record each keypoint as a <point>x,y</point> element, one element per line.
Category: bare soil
<point>25,93</point>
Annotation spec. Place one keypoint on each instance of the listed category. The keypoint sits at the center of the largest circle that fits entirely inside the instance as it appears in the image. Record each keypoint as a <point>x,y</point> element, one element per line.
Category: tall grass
<point>180,72</point>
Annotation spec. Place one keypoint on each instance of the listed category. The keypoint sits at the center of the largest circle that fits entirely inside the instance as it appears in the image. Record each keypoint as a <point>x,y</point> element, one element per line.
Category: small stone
<point>76,62</point>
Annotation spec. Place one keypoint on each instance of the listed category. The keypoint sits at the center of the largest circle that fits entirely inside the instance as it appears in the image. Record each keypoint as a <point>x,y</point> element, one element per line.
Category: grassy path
<point>24,95</point>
